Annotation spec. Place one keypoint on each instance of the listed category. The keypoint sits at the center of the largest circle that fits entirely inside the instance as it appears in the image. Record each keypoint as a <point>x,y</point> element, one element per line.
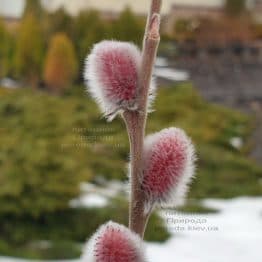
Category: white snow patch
<point>238,236</point>
<point>108,189</point>
<point>97,196</point>
<point>236,142</point>
<point>161,62</point>
<point>89,200</point>
<point>9,82</point>
<point>171,74</point>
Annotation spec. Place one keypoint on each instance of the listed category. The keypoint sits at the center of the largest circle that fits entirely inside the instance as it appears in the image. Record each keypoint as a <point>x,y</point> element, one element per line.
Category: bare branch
<point>136,121</point>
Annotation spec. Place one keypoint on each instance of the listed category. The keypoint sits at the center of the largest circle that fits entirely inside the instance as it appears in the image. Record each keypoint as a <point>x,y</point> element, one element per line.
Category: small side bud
<point>168,167</point>
<point>114,243</point>
<point>112,75</point>
<point>154,27</point>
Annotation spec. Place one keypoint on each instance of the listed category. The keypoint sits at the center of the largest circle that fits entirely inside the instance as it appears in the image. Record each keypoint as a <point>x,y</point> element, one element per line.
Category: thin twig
<point>136,121</point>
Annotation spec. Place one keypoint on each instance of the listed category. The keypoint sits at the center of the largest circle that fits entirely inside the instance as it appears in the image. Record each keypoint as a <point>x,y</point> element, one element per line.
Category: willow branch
<point>136,121</point>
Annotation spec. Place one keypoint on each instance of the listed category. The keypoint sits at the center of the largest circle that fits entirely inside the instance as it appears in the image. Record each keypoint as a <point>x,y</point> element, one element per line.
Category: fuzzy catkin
<point>114,243</point>
<point>168,167</point>
<point>112,75</point>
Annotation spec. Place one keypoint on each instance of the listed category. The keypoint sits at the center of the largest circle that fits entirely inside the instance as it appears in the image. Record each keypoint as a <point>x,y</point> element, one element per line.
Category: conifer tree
<point>86,36</point>
<point>61,64</point>
<point>4,50</point>
<point>128,27</point>
<point>29,50</point>
<point>33,7</point>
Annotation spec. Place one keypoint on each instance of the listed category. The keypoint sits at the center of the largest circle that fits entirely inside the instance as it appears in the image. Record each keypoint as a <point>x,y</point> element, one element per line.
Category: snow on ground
<point>90,200</point>
<point>97,196</point>
<point>162,70</point>
<point>9,83</point>
<point>236,142</point>
<point>171,74</point>
<point>161,62</point>
<point>233,234</point>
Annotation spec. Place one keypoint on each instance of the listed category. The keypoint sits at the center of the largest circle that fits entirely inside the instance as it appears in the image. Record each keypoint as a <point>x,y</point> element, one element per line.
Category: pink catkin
<point>118,74</point>
<point>114,243</point>
<point>169,164</point>
<point>112,74</point>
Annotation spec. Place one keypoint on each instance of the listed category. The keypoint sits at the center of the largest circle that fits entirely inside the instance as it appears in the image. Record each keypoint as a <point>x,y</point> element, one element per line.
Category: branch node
<point>154,27</point>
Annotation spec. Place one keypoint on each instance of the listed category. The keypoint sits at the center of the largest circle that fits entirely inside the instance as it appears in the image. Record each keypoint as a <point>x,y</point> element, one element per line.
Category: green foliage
<point>33,7</point>
<point>41,250</point>
<point>59,21</point>
<point>6,45</point>
<point>61,64</point>
<point>75,227</point>
<point>36,174</point>
<point>88,30</point>
<point>128,28</point>
<point>76,224</point>
<point>29,50</point>
<point>235,7</point>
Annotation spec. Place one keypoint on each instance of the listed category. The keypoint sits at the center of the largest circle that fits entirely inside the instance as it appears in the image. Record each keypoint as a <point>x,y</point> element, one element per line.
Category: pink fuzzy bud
<point>112,71</point>
<point>169,165</point>
<point>114,243</point>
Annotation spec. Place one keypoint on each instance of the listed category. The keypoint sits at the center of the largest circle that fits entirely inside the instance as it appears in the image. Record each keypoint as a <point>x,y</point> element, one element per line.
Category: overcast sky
<point>139,6</point>
<point>11,8</point>
<point>14,8</point>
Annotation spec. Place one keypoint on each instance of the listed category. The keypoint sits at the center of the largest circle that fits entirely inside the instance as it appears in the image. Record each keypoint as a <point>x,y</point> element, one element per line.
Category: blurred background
<point>63,168</point>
